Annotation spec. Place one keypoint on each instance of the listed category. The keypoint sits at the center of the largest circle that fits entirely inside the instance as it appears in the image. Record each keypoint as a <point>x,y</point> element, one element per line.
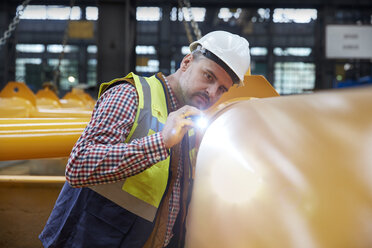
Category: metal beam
<point>165,41</point>
<point>7,51</point>
<point>116,39</point>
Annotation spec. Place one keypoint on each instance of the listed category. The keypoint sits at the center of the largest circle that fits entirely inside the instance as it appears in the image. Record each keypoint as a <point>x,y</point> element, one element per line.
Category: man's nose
<point>213,91</point>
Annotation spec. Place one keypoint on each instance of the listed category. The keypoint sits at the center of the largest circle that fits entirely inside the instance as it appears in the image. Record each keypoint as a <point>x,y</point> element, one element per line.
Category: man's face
<point>203,82</point>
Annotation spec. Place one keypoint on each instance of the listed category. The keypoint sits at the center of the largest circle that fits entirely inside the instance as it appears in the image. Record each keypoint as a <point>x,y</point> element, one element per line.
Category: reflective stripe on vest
<point>142,193</point>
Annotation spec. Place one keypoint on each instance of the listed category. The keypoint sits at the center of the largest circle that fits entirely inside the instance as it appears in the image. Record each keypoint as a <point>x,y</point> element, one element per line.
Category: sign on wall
<point>81,30</point>
<point>349,41</point>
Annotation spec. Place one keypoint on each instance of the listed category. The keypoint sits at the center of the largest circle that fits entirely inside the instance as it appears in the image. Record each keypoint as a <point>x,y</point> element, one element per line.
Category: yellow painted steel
<point>9,122</point>
<point>15,107</point>
<point>17,100</point>
<point>255,86</point>
<point>41,120</point>
<point>41,131</point>
<point>26,138</point>
<point>18,89</point>
<point>47,98</point>
<point>25,124</point>
<point>77,98</point>
<point>291,171</point>
<point>59,113</point>
<point>26,179</point>
<point>76,103</point>
<point>37,145</point>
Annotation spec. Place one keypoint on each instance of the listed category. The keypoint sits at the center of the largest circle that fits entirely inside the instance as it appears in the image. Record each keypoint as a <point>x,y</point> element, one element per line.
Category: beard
<point>200,100</point>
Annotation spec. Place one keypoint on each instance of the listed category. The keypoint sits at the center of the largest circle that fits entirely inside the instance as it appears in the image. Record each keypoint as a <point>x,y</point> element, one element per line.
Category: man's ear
<point>186,62</point>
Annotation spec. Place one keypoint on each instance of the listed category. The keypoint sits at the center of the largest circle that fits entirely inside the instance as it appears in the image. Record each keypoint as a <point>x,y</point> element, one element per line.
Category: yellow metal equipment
<point>17,100</point>
<point>27,138</point>
<point>23,179</point>
<point>41,123</point>
<point>77,98</point>
<point>47,98</point>
<point>291,171</point>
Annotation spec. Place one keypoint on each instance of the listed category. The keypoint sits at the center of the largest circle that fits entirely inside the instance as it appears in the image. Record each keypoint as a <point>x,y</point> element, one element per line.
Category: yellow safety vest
<point>142,193</point>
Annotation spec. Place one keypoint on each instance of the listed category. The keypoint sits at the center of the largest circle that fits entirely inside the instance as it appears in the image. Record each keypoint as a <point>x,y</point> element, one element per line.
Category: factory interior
<point>285,159</point>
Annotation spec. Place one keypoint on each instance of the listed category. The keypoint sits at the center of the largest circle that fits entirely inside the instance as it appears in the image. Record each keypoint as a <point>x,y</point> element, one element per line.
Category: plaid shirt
<point>101,156</point>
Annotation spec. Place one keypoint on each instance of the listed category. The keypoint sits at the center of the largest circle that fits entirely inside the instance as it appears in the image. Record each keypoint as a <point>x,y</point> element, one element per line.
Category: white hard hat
<point>232,49</point>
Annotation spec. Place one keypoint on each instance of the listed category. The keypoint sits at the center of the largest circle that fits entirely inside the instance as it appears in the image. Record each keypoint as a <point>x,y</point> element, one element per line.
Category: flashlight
<point>200,121</point>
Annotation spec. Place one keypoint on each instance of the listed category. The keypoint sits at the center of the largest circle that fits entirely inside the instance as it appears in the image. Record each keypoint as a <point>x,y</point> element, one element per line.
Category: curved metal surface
<point>24,124</point>
<point>16,146</point>
<point>286,172</point>
<point>17,100</point>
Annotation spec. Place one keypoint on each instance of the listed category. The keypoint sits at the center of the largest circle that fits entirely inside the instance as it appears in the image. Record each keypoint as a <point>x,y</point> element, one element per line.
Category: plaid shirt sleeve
<point>100,155</point>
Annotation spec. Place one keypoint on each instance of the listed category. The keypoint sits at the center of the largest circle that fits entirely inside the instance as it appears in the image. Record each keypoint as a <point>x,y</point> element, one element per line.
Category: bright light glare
<point>234,182</point>
<point>201,122</point>
<point>234,176</point>
<point>71,79</point>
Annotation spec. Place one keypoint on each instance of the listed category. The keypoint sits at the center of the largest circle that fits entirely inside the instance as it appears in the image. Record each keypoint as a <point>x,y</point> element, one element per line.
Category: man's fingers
<point>187,123</point>
<point>189,110</point>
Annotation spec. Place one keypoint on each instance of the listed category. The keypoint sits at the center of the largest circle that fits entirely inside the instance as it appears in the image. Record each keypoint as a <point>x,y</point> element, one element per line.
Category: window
<point>145,50</point>
<point>68,69</point>
<point>92,49</point>
<point>20,72</point>
<point>258,51</point>
<point>264,14</point>
<point>152,66</point>
<point>148,14</point>
<point>226,14</point>
<point>292,51</point>
<point>92,72</point>
<point>30,48</point>
<point>294,15</point>
<point>58,48</point>
<point>91,13</point>
<point>183,14</point>
<point>294,77</point>
<point>50,12</point>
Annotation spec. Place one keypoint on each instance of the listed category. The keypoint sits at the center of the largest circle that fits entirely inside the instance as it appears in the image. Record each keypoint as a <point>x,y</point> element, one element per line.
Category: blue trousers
<point>83,218</point>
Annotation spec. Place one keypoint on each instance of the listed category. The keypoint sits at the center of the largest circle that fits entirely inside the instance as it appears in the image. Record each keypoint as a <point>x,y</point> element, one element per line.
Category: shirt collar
<point>172,97</point>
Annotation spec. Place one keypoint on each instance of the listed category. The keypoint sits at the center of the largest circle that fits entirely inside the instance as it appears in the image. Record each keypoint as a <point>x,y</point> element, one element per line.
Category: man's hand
<point>178,124</point>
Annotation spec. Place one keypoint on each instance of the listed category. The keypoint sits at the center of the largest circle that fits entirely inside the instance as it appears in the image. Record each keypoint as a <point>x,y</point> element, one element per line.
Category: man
<point>129,174</point>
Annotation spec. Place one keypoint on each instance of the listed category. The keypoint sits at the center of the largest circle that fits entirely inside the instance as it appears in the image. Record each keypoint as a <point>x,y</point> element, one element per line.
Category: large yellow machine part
<point>17,100</point>
<point>28,138</point>
<point>290,171</point>
<point>77,98</point>
<point>46,98</point>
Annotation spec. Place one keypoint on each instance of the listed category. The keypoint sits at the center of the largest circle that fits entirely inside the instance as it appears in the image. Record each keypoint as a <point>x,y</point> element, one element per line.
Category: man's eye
<point>223,89</point>
<point>209,77</point>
